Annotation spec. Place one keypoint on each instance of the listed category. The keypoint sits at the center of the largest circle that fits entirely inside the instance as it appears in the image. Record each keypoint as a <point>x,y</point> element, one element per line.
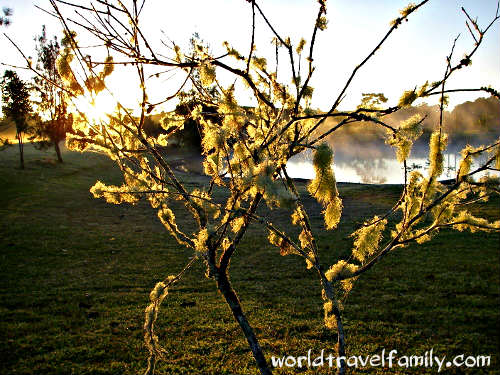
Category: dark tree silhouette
<point>17,106</point>
<point>191,134</point>
<point>205,95</point>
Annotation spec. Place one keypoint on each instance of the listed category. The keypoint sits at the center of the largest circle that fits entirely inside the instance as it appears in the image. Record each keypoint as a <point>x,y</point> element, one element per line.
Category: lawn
<point>76,272</point>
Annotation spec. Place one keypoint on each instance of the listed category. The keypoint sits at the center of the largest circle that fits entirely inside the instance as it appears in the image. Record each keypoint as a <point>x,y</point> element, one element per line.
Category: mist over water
<point>361,155</point>
<point>374,162</point>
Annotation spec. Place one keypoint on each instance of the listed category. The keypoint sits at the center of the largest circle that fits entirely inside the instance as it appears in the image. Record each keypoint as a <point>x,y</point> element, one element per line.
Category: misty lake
<point>376,163</point>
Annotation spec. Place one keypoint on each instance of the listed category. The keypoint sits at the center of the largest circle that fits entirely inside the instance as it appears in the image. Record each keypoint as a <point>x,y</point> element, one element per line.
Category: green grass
<point>75,275</point>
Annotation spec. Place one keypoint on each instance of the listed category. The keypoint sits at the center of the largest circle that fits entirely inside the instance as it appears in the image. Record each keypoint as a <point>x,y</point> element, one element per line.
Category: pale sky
<point>413,54</point>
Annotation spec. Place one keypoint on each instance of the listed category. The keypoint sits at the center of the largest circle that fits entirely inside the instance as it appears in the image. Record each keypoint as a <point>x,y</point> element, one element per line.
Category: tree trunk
<point>340,341</point>
<point>328,289</point>
<point>21,149</point>
<point>231,298</point>
<point>58,152</point>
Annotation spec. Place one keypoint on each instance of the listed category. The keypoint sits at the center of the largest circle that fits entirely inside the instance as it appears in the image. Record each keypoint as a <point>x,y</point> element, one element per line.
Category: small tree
<point>17,107</point>
<point>54,121</point>
<point>246,157</point>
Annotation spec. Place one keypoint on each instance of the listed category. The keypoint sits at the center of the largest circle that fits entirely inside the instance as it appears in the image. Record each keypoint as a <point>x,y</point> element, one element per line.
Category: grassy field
<point>76,272</point>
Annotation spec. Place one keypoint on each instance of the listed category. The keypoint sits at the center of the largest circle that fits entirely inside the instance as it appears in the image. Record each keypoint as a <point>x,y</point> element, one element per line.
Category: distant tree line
<point>470,121</point>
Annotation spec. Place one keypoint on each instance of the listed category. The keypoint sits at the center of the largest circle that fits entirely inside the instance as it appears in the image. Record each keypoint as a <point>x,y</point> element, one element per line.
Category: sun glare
<point>96,109</point>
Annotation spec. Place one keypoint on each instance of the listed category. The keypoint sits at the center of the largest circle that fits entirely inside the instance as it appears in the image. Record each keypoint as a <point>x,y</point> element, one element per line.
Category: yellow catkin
<point>305,238</point>
<point>297,216</point>
<point>237,223</point>
<point>108,67</point>
<point>407,9</point>
<point>207,74</point>
<point>329,317</point>
<point>301,45</point>
<point>409,130</point>
<point>407,98</point>
<point>200,241</point>
<point>158,291</point>
<point>284,245</point>
<point>168,220</point>
<point>466,162</point>
<point>341,269</point>
<point>465,220</point>
<point>437,145</point>
<point>333,213</point>
<point>367,238</point>
<point>156,296</point>
<point>114,194</point>
<point>324,186</point>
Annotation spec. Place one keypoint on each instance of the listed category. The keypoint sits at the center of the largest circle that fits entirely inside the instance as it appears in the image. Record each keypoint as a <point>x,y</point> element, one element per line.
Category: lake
<point>376,163</point>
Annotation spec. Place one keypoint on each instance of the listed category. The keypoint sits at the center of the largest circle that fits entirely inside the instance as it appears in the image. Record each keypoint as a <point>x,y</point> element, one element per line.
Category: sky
<point>413,54</point>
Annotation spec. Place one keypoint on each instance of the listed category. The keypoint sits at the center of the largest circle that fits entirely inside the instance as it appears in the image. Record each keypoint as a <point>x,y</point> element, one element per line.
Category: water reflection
<point>375,162</point>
